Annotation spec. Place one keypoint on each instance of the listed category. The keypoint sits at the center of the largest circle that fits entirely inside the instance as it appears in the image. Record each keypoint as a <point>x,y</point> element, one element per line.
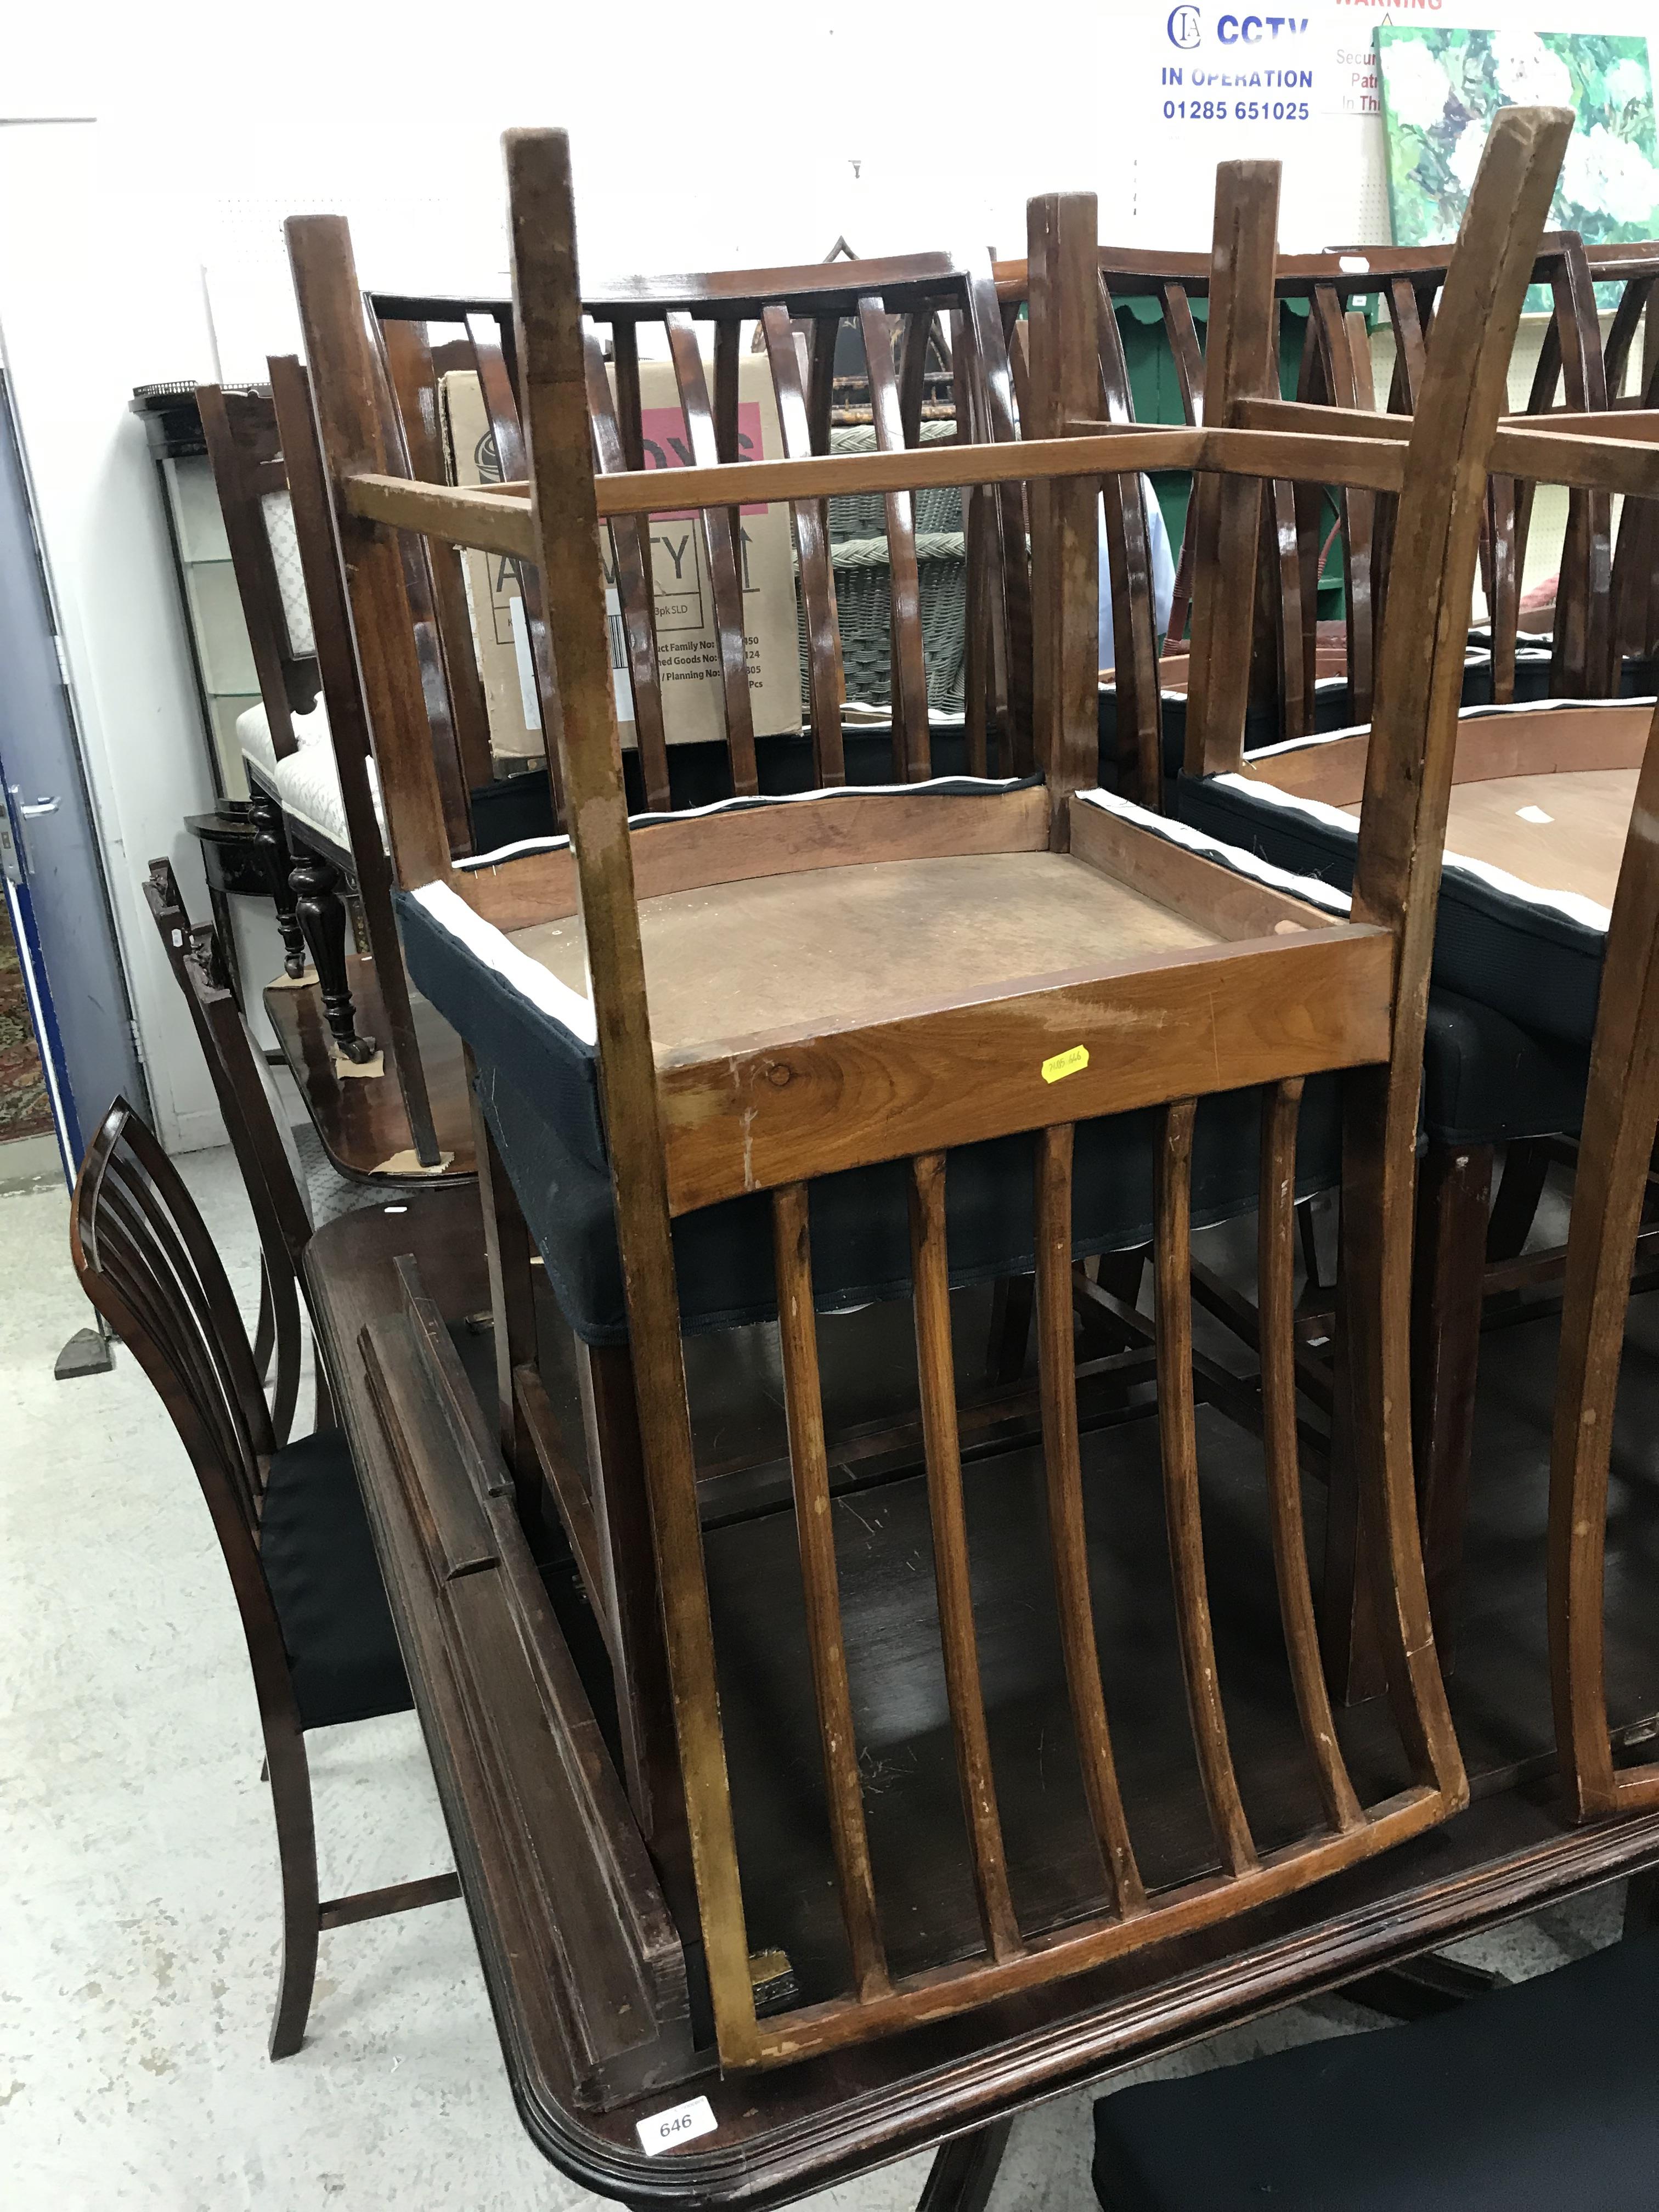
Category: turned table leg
<point>322,917</point>
<point>270,842</point>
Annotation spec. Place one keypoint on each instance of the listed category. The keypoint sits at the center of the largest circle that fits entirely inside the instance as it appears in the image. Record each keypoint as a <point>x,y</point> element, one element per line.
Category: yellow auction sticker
<point>1066,1063</point>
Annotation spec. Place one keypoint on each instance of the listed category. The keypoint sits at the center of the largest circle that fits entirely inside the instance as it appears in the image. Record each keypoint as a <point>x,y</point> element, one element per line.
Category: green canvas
<point>1441,89</point>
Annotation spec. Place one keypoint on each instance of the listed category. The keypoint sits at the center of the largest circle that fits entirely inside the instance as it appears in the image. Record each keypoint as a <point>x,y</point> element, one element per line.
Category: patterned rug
<point>24,1111</point>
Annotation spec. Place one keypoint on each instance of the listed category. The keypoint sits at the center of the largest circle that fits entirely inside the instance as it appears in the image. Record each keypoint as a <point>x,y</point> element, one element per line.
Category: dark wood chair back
<point>242,1087</point>
<point>144,1258</point>
<point>718,1116</point>
<point>906,311</point>
<point>1631,353</point>
<point>245,451</point>
<point>1335,369</point>
<point>1611,1203</point>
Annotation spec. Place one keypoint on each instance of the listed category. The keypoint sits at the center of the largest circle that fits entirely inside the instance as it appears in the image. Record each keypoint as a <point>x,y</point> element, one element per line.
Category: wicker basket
<point>858,552</point>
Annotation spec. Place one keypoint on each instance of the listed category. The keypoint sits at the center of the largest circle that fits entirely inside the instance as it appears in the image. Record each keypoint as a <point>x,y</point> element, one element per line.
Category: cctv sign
<point>1235,66</point>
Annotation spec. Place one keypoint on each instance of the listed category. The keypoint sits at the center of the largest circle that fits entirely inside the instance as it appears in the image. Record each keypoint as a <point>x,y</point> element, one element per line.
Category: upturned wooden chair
<point>287,743</point>
<point>1304,678</point>
<point>239,431</point>
<point>1539,2094</point>
<point>291,1185</point>
<point>1540,798</point>
<point>281,1217</point>
<point>780,1004</point>
<point>1611,1206</point>
<point>288,1517</point>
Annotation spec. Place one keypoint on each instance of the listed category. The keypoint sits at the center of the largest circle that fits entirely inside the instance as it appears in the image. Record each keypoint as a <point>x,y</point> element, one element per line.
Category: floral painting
<point>1441,89</point>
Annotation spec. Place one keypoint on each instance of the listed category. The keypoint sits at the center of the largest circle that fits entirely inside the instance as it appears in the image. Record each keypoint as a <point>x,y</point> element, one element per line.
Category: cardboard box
<point>688,645</point>
<point>687,649</point>
<point>500,634</point>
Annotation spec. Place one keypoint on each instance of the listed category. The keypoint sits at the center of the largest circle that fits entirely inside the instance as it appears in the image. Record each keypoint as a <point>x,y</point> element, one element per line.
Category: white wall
<point>79,328</point>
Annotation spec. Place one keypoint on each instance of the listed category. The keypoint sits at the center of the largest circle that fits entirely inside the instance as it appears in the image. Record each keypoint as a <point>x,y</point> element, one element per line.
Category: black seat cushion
<point>325,1582</point>
<point>513,807</point>
<point>860,1223</point>
<point>1528,952</point>
<point>1332,711</point>
<point>1542,2098</point>
<point>1261,727</point>
<point>1487,1080</point>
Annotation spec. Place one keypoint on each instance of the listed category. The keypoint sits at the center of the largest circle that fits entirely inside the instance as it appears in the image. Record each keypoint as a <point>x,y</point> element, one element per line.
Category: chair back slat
<point>817,578</point>
<point>1636,555</point>
<point>1239,360</point>
<point>405,442</point>
<point>352,434</point>
<point>1636,562</point>
<point>1068,1535</point>
<point>630,539</point>
<point>411,374</point>
<point>911,746</point>
<point>821,1589</point>
<point>239,431</point>
<point>489,342</point>
<point>720,528</point>
<point>1178,1436</point>
<point>1610,1197</point>
<point>1008,626</point>
<point>1344,353</point>
<point>1129,558</point>
<point>1065,378</point>
<point>195,1320</point>
<point>145,1259</point>
<point>1276,1291</point>
<point>953,1582</point>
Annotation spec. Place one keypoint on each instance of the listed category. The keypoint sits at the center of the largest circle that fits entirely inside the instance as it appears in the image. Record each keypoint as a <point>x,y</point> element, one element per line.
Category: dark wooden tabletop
<point>792,2130</point>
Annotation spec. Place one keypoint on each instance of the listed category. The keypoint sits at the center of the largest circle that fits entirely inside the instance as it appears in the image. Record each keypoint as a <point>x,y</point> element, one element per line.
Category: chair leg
<point>965,2170</point>
<point>1526,1164</point>
<point>296,1848</point>
<point>322,917</point>
<point>1452,1210</point>
<point>640,1659</point>
<point>270,842</point>
<point>1008,1340</point>
<point>1642,1903</point>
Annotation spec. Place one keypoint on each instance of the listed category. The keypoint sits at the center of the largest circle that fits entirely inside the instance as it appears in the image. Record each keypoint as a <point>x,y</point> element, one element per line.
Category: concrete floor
<point>139,1933</point>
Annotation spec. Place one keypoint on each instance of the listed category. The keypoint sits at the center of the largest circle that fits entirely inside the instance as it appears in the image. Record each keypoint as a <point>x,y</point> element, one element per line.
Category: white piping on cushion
<point>1307,888</point>
<point>533,982</point>
<point>1584,912</point>
<point>950,784</point>
<point>1464,714</point>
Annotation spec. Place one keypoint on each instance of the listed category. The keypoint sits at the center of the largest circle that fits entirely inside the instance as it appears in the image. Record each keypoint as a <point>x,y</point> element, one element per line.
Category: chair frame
<point>1610,1200</point>
<point>898,304</point>
<point>145,1259</point>
<point>279,1217</point>
<point>243,474</point>
<point>238,430</point>
<point>676,1142</point>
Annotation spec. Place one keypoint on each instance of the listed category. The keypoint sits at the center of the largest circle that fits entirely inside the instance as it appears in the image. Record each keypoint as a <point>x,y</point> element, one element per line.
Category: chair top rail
<point>813,287</point>
<point>1134,272</point>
